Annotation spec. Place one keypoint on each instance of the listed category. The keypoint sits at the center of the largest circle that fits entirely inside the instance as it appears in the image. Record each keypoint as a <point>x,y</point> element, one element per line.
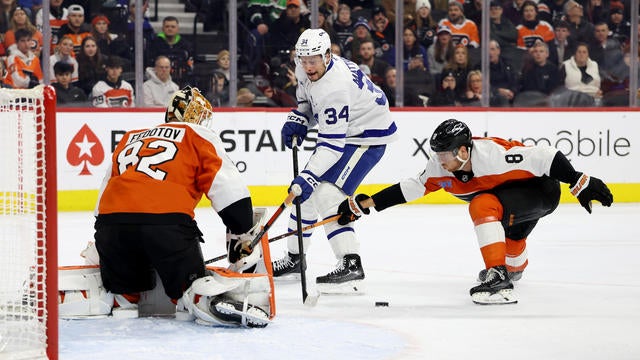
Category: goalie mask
<point>188,105</point>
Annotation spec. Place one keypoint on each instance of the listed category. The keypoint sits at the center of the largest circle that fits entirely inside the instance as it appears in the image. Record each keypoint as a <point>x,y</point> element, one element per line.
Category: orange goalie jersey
<point>167,169</point>
<point>494,161</point>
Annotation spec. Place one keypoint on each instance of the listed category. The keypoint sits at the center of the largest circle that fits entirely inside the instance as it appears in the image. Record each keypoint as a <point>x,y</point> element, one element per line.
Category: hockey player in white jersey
<point>354,127</point>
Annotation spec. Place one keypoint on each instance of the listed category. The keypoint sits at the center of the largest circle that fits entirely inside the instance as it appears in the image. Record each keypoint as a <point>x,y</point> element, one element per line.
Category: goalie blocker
<point>224,297</point>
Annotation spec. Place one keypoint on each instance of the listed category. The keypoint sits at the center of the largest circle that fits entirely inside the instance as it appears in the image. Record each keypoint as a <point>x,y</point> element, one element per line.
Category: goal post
<point>28,224</point>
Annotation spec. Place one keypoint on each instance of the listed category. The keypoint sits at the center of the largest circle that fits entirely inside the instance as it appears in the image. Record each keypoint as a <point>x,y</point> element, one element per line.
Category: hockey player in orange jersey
<point>509,187</point>
<point>145,221</point>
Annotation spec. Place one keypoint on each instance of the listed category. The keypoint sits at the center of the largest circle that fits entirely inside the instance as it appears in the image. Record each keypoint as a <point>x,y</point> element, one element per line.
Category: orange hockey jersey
<point>167,169</point>
<point>18,67</point>
<point>494,162</point>
<point>465,33</point>
<point>527,37</point>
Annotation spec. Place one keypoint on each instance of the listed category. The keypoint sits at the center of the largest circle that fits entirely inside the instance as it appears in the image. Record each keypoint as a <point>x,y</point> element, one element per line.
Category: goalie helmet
<point>450,135</point>
<point>313,42</point>
<point>188,105</point>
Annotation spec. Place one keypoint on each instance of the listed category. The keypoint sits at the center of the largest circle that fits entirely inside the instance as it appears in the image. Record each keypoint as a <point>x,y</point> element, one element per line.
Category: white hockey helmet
<point>189,105</point>
<point>313,42</point>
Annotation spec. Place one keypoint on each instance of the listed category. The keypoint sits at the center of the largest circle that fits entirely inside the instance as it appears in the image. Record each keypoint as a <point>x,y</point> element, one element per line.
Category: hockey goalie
<point>145,230</point>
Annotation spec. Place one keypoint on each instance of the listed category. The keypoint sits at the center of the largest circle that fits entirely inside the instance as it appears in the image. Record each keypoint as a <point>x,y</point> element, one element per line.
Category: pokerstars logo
<point>85,147</point>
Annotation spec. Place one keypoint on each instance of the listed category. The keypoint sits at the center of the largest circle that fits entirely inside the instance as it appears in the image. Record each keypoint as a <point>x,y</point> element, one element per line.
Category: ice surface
<point>578,298</point>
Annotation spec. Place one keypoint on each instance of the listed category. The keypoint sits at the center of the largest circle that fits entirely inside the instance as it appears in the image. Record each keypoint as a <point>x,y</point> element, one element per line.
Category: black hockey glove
<point>589,188</point>
<point>351,210</point>
<point>237,249</point>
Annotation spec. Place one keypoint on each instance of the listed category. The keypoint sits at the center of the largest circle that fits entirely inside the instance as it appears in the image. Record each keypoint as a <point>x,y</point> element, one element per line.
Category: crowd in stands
<point>541,52</point>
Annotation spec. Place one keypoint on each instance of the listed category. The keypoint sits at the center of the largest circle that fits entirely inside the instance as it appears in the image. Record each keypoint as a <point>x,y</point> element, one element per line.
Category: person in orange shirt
<point>24,69</point>
<point>20,20</point>
<point>75,29</point>
<point>532,29</point>
<point>509,187</point>
<point>145,218</point>
<point>463,30</point>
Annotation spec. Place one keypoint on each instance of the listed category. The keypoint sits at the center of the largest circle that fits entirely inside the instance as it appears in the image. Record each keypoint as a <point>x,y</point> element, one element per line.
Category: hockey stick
<point>306,300</point>
<point>286,203</point>
<point>282,236</point>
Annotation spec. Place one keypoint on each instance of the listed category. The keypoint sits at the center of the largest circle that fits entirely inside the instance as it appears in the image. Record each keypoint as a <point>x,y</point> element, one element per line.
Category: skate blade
<point>501,297</point>
<point>353,287</point>
<point>256,321</point>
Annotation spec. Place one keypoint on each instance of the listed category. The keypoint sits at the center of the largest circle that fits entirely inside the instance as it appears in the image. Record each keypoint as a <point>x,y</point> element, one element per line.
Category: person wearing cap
<point>25,71</point>
<point>76,29</point>
<point>285,30</point>
<point>423,24</point>
<point>463,30</point>
<point>20,20</point>
<point>532,29</point>
<point>112,90</point>
<point>446,93</point>
<point>108,42</point>
<point>619,27</point>
<point>66,92</point>
<point>501,29</point>
<point>179,50</point>
<point>361,32</point>
<point>441,52</point>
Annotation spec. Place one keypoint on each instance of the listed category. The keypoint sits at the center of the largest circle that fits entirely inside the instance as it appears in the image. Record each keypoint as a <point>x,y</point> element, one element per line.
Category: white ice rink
<point>579,298</point>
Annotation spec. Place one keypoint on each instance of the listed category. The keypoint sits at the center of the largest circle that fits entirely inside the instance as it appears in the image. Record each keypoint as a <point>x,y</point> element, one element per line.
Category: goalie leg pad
<point>214,300</point>
<point>81,293</point>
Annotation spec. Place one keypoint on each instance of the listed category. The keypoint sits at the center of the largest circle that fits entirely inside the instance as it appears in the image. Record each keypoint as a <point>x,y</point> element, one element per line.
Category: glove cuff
<point>580,185</point>
<point>355,207</point>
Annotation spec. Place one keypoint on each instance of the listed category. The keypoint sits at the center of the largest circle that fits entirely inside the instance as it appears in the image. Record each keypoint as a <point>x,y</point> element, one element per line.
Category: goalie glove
<point>296,125</point>
<point>351,210</point>
<point>589,188</point>
<point>240,254</point>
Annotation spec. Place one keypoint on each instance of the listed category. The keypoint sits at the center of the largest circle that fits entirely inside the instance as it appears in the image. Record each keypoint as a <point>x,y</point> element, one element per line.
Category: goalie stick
<point>286,203</point>
<point>282,236</point>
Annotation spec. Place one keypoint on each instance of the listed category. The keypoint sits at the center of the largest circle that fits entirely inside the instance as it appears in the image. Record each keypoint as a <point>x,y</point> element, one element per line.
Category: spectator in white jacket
<point>159,87</point>
<point>580,73</point>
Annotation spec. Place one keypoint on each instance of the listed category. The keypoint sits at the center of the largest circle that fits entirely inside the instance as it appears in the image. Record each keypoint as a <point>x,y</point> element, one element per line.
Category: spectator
<point>597,11</point>
<point>57,18</point>
<point>619,27</point>
<point>330,10</point>
<point>552,11</point>
<point>24,67</point>
<point>532,29</point>
<point>389,86</point>
<point>502,77</point>
<point>148,34</point>
<point>424,25</point>
<point>245,98</point>
<point>419,85</point>
<point>446,94</point>
<point>108,42</point>
<point>343,27</point>
<point>473,93</point>
<point>607,52</point>
<point>3,76</point>
<point>273,96</point>
<point>76,29</point>
<point>501,29</point>
<point>20,20</point>
<point>361,32</point>
<point>441,52</point>
<point>218,95</point>
<point>112,91</point>
<point>261,15</point>
<point>383,32</point>
<point>412,49</point>
<point>562,46</point>
<point>580,73</point>
<point>472,10</point>
<point>336,49</point>
<point>287,28</point>
<point>170,44</point>
<point>90,64</point>
<point>463,31</point>
<point>513,11</point>
<point>223,63</point>
<point>377,66</point>
<point>539,75</point>
<point>66,92</point>
<point>581,29</point>
<point>459,65</point>
<point>64,54</point>
<point>158,88</point>
<point>6,10</point>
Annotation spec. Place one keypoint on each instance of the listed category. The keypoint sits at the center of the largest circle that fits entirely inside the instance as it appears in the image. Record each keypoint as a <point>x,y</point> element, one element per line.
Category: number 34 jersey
<point>494,161</point>
<point>166,169</point>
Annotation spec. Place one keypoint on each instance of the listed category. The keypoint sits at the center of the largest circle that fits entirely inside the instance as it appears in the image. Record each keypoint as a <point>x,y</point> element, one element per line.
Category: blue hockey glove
<point>307,182</point>
<point>589,188</point>
<point>296,125</point>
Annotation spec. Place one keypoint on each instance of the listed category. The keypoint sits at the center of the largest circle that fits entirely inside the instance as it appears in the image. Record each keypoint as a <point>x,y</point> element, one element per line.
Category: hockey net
<point>28,224</point>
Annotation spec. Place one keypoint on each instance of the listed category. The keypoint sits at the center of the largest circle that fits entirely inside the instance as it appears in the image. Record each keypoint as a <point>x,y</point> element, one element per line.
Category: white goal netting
<point>23,238</point>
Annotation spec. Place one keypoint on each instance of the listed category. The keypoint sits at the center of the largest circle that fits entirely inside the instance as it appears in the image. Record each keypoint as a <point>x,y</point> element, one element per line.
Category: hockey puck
<point>382,304</point>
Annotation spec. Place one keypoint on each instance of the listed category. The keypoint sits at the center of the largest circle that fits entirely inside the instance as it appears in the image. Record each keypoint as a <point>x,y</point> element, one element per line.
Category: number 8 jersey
<point>166,170</point>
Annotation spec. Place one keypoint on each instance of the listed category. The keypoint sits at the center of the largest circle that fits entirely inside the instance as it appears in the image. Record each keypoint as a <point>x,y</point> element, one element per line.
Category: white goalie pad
<point>81,293</point>
<point>259,219</point>
<point>250,292</point>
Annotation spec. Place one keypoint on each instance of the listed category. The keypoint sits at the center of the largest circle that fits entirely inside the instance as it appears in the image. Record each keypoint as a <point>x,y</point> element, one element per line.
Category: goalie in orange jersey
<point>145,222</point>
<point>509,187</point>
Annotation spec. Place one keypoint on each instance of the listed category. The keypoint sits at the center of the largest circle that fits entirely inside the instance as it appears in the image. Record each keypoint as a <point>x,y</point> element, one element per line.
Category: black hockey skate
<point>230,311</point>
<point>514,276</point>
<point>346,278</point>
<point>287,267</point>
<point>495,289</point>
